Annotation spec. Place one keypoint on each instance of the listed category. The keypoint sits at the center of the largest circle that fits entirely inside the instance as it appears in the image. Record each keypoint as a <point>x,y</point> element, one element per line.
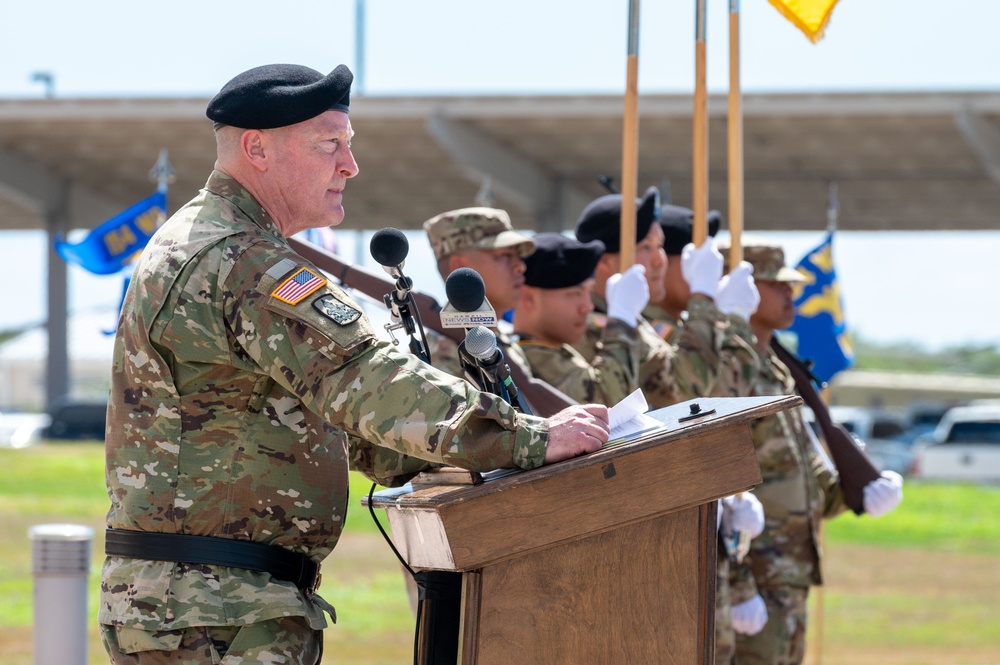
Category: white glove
<point>743,513</point>
<point>883,494</point>
<point>627,294</point>
<point>737,292</point>
<point>702,267</point>
<point>749,617</point>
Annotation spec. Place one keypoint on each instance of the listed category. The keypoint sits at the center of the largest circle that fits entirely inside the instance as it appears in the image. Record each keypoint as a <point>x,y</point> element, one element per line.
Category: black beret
<point>560,261</point>
<point>601,219</point>
<point>677,222</point>
<point>280,95</point>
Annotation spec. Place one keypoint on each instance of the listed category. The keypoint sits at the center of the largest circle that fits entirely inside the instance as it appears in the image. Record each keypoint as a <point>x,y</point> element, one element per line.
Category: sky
<point>929,288</point>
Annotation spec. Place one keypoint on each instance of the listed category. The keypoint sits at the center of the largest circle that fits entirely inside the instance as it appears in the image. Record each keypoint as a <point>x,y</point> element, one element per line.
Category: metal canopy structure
<point>902,161</point>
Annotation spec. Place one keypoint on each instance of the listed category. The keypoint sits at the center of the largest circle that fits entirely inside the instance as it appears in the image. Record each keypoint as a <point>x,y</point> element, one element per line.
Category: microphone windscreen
<point>465,290</point>
<point>481,343</point>
<point>389,247</point>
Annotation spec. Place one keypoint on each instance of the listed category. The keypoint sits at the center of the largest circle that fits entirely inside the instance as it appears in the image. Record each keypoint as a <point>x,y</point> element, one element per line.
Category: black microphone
<point>467,305</point>
<point>389,248</point>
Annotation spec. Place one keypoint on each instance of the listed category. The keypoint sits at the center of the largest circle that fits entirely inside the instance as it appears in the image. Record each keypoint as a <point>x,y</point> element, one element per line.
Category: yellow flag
<point>810,16</point>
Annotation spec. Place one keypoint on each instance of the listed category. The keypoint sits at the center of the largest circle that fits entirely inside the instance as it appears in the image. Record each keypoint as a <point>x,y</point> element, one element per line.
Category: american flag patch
<point>298,286</point>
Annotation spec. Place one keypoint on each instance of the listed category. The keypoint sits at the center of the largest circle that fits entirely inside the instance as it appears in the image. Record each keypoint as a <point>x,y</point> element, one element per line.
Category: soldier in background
<point>800,488</point>
<point>707,357</point>
<point>552,315</point>
<point>245,386</point>
<point>484,240</point>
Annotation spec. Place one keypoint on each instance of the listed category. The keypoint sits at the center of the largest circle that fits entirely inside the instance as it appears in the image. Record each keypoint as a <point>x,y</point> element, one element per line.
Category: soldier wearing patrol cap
<point>801,487</point>
<point>482,239</point>
<point>712,360</point>
<point>552,315</point>
<point>245,386</point>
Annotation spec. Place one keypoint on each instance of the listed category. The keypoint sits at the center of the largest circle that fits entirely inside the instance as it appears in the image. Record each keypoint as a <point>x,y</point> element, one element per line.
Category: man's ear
<point>607,265</point>
<point>456,261</point>
<point>256,147</point>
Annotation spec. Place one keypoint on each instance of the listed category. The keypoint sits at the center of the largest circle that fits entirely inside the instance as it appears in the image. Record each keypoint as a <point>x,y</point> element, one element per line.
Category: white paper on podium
<point>628,417</point>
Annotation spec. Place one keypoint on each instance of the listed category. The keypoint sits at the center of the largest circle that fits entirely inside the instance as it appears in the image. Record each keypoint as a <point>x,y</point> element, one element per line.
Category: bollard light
<point>60,562</point>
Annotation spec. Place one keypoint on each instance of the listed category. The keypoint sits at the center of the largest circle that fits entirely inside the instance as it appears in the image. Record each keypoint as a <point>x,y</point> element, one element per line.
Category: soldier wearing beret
<point>552,315</point>
<point>700,361</point>
<point>483,240</point>
<point>800,488</point>
<point>246,385</point>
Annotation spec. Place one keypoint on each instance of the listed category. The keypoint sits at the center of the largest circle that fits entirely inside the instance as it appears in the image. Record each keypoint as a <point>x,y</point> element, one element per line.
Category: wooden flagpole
<point>699,173</point>
<point>735,120</point>
<point>630,141</point>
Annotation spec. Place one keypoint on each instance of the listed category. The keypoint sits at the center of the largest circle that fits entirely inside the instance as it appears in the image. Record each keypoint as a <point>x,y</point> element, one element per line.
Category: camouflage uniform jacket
<point>608,379</point>
<point>707,356</point>
<point>800,488</point>
<point>234,414</point>
<point>664,323</point>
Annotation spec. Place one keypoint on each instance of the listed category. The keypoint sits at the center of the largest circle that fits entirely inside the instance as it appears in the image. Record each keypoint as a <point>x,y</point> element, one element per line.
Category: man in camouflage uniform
<point>800,488</point>
<point>483,240</point>
<point>708,357</point>
<point>552,315</point>
<point>245,385</point>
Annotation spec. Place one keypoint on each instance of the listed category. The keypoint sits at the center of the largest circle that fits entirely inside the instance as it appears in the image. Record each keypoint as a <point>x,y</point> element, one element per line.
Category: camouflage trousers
<point>783,639</point>
<point>286,640</point>
<point>725,638</point>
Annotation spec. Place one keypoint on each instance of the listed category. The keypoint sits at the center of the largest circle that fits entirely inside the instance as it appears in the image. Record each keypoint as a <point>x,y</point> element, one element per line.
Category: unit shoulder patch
<point>336,310</point>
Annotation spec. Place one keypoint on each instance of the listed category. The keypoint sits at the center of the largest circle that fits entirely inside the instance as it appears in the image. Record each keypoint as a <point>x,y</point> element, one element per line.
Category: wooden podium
<point>605,558</point>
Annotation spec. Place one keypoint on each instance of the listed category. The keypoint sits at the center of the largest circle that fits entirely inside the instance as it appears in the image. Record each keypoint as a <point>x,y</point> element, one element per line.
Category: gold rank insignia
<point>336,310</point>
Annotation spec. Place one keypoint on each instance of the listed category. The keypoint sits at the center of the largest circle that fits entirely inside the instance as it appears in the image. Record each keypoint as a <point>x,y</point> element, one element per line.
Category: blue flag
<point>819,314</point>
<point>117,242</point>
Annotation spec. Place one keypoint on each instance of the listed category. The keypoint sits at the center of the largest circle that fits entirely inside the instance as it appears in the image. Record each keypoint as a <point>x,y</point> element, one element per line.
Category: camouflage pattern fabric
<point>242,393</point>
<point>284,640</point>
<point>610,377</point>
<point>663,322</point>
<point>709,357</point>
<point>725,637</point>
<point>783,638</point>
<point>799,489</point>
<point>476,228</point>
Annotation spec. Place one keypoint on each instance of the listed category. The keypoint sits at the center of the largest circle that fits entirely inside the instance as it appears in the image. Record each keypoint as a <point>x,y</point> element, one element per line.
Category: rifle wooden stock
<point>855,468</point>
<point>543,399</point>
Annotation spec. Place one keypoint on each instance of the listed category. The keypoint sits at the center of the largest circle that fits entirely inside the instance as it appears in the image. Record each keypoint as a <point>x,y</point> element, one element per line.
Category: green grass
<point>915,586</point>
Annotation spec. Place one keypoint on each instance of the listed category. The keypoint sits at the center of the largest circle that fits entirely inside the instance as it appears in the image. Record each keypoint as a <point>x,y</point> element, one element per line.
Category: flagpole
<point>735,120</point>
<point>162,172</point>
<point>832,208</point>
<point>630,141</point>
<point>699,174</point>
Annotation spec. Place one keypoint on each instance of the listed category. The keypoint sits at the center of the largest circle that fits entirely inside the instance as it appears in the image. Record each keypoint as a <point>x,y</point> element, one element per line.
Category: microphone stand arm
<point>400,303</point>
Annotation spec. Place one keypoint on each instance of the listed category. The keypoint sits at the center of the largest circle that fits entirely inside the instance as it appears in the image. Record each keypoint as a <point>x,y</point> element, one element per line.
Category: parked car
<point>73,419</point>
<point>965,446</point>
<point>880,432</point>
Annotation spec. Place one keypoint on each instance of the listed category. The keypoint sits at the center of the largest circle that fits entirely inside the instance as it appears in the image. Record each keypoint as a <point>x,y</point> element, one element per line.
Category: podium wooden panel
<point>605,558</point>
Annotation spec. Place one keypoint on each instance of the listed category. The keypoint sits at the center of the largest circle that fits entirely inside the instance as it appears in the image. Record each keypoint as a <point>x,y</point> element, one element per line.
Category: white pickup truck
<point>965,446</point>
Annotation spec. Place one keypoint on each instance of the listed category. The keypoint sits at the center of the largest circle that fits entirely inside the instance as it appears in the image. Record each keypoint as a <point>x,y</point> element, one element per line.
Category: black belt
<point>280,563</point>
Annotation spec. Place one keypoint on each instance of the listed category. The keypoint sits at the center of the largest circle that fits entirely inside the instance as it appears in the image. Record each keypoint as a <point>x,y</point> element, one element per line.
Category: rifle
<point>855,468</point>
<point>543,399</point>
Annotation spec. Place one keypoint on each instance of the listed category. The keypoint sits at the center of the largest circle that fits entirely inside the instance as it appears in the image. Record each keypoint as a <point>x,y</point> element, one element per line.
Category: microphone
<point>481,344</point>
<point>467,305</point>
<point>389,248</point>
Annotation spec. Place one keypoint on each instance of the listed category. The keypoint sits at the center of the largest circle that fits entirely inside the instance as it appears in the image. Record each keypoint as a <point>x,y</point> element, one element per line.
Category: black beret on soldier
<point>677,222</point>
<point>280,95</point>
<point>560,261</point>
<point>601,219</point>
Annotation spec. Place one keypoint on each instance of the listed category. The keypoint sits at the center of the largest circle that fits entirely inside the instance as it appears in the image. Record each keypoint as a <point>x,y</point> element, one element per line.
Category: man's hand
<point>577,430</point>
<point>883,494</point>
<point>702,267</point>
<point>738,293</point>
<point>750,617</point>
<point>627,294</point>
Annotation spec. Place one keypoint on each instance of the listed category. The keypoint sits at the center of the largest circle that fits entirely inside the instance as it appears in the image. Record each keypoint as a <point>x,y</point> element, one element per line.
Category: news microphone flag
<point>819,314</point>
<point>119,240</point>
